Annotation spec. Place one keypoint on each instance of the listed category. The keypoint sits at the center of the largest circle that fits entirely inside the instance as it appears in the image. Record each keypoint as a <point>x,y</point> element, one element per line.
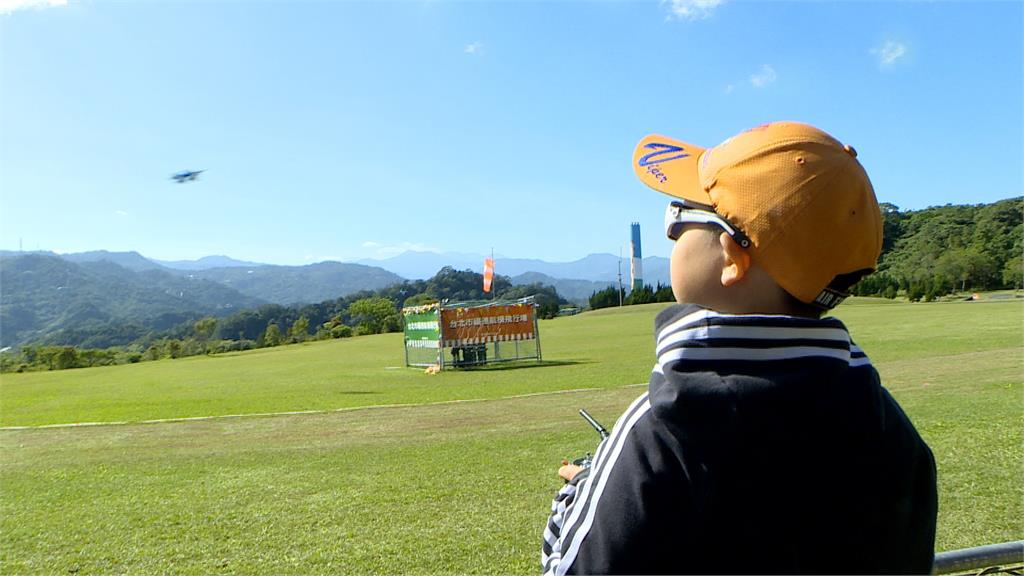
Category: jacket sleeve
<point>550,550</point>
<point>607,522</point>
<point>910,538</point>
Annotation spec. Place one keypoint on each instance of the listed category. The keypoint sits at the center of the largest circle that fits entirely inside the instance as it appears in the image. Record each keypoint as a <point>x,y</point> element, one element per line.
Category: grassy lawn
<point>587,351</point>
<point>429,488</point>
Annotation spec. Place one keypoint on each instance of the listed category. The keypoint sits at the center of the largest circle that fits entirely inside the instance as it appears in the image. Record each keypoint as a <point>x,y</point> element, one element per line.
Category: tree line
<point>646,294</point>
<point>365,312</point>
<point>943,250</point>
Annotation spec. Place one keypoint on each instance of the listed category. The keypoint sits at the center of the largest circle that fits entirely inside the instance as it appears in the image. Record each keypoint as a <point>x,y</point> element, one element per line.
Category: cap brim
<point>670,167</point>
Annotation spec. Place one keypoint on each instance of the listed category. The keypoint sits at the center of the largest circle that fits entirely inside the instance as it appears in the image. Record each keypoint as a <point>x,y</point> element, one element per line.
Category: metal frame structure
<point>1005,558</point>
<point>451,353</point>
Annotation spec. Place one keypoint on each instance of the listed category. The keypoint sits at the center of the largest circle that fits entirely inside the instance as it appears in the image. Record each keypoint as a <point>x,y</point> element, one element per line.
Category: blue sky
<point>341,130</point>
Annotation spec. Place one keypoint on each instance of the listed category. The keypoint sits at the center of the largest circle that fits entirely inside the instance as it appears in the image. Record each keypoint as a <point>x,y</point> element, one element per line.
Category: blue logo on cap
<point>662,153</point>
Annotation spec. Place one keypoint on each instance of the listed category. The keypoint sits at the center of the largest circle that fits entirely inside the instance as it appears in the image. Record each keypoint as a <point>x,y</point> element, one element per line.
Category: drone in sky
<point>186,176</point>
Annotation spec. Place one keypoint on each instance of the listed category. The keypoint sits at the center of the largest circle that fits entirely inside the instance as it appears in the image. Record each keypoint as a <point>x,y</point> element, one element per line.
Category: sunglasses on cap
<point>679,214</point>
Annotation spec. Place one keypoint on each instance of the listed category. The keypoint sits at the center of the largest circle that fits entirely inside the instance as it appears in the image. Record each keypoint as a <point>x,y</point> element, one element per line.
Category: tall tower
<point>636,263</point>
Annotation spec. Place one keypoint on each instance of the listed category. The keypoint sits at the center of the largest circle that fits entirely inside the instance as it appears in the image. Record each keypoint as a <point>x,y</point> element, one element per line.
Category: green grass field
<point>419,481</point>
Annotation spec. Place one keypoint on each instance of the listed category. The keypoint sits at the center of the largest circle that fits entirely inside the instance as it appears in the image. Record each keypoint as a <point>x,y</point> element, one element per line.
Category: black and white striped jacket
<point>764,444</point>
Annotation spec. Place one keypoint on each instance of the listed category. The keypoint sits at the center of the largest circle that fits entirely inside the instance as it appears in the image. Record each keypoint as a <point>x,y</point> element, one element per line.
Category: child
<point>765,442</point>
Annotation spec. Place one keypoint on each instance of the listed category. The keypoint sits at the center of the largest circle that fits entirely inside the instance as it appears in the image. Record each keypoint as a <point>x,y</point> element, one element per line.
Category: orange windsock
<point>488,273</point>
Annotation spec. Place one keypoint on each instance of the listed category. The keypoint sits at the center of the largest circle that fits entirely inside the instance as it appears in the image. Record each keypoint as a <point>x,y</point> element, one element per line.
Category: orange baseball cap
<point>800,195</point>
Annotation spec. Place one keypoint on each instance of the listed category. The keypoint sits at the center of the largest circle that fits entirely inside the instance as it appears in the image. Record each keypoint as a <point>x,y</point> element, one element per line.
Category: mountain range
<point>43,296</point>
<point>52,297</point>
<point>602,268</point>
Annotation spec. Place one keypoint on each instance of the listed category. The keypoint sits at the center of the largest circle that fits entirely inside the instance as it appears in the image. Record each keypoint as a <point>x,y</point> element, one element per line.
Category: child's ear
<point>736,260</point>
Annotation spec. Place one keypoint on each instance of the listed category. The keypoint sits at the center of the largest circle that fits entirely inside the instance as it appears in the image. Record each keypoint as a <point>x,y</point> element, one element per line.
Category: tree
<point>66,357</point>
<point>610,296</point>
<point>890,225</point>
<point>272,336</point>
<point>419,300</point>
<point>642,295</point>
<point>30,353</point>
<point>299,330</point>
<point>544,296</point>
<point>916,291</point>
<point>174,348</point>
<point>203,329</point>
<point>664,293</point>
<point>370,314</point>
<point>392,323</point>
<point>1013,272</point>
<point>463,285</point>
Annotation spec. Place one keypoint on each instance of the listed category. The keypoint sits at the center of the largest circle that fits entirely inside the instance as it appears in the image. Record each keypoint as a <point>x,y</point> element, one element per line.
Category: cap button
<point>849,150</point>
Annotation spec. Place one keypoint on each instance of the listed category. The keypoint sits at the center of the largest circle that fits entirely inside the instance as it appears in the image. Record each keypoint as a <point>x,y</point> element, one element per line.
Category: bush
<point>915,291</point>
<point>393,323</point>
<point>233,346</point>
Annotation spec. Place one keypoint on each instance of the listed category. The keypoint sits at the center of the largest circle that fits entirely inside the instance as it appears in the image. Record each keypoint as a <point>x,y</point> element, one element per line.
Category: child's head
<point>779,219</point>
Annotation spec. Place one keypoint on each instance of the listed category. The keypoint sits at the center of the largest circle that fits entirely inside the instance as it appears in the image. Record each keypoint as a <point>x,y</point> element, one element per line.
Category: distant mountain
<point>129,260</point>
<point>299,284</point>
<point>594,267</point>
<point>136,261</point>
<point>102,298</point>
<point>422,265</point>
<point>591,267</point>
<point>263,282</point>
<point>577,291</point>
<point>656,269</point>
<point>207,262</point>
<point>50,298</point>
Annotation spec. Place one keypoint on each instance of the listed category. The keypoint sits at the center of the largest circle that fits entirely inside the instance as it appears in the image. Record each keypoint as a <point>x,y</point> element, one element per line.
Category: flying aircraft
<point>182,177</point>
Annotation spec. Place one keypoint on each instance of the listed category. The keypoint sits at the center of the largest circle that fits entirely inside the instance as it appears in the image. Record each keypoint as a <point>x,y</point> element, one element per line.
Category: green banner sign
<point>422,326</point>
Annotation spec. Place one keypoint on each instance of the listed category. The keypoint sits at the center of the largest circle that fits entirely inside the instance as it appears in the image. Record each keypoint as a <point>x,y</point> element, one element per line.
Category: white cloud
<point>890,52</point>
<point>120,212</point>
<point>8,6</point>
<point>379,250</point>
<point>728,89</point>
<point>691,9</point>
<point>764,77</point>
<point>474,48</point>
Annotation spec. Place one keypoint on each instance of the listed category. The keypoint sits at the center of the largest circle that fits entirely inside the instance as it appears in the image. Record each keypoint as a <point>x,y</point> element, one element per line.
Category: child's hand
<point>568,471</point>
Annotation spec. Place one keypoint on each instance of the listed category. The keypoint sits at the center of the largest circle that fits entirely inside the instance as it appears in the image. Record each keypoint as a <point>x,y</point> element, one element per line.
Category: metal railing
<point>1005,558</point>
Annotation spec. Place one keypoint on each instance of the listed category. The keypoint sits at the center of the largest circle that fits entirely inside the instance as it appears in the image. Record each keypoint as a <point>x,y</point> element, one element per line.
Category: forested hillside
<point>99,303</point>
<point>940,250</point>
<point>100,299</point>
<point>299,284</point>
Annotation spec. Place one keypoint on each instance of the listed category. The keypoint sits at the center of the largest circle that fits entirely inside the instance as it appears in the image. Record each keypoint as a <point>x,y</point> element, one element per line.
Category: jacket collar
<point>689,334</point>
